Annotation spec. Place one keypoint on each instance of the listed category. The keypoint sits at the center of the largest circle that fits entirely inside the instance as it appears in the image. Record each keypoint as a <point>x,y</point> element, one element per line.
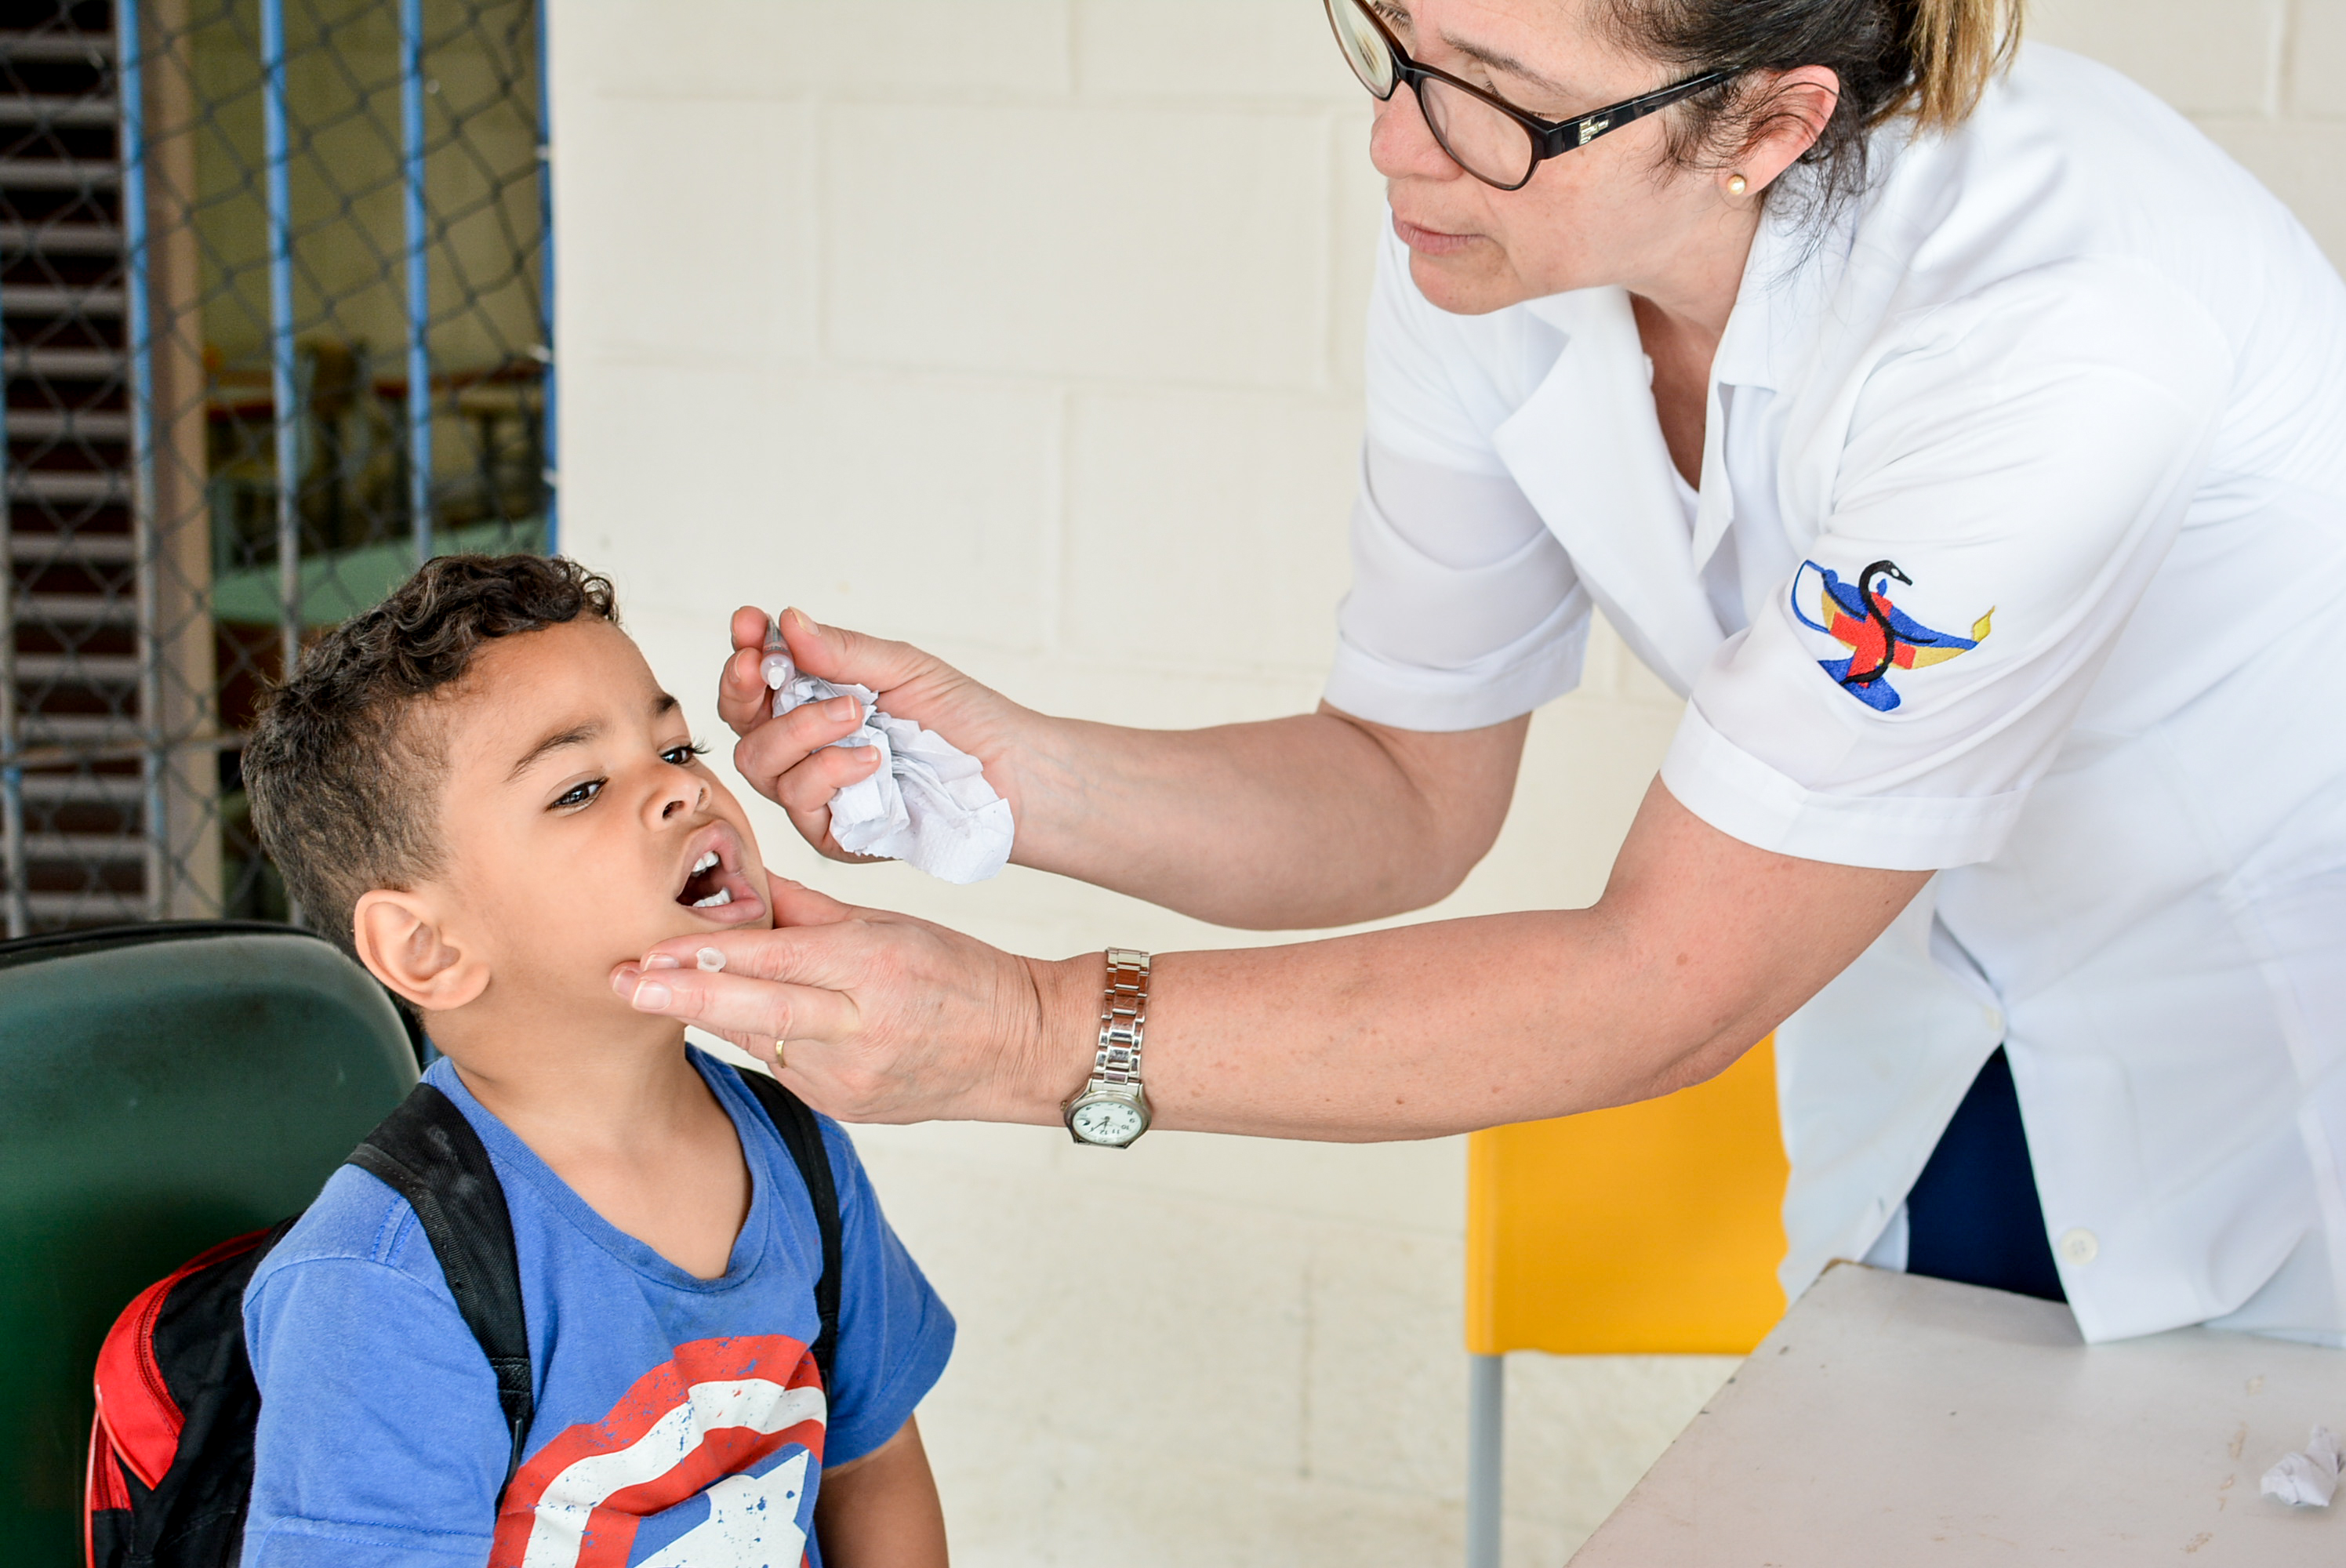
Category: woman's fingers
<point>738,1004</point>
<point>851,658</point>
<point>742,698</point>
<point>773,748</point>
<point>795,904</point>
<point>882,1017</point>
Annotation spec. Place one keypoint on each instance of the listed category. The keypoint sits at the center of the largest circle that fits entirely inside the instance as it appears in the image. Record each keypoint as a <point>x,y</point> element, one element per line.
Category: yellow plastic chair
<point>1649,1229</point>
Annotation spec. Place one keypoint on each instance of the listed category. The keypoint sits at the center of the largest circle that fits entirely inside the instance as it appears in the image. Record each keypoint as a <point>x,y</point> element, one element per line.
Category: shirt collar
<point>1774,305</point>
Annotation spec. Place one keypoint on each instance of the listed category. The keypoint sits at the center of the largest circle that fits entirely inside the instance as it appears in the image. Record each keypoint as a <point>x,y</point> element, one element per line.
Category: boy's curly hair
<point>342,786</point>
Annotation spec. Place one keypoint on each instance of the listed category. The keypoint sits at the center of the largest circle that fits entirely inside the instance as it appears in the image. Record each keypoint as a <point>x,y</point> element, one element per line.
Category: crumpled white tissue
<point>928,803</point>
<point>2307,1480</point>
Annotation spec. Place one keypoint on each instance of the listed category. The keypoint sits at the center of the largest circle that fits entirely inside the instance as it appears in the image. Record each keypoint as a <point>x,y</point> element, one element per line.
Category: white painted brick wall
<point>1031,331</point>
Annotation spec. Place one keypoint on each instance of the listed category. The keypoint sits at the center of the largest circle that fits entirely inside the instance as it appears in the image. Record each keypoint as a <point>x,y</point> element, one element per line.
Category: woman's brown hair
<point>1926,59</point>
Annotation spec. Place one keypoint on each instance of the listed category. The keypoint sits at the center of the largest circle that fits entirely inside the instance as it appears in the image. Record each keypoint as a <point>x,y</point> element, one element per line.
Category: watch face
<point>1112,1122</point>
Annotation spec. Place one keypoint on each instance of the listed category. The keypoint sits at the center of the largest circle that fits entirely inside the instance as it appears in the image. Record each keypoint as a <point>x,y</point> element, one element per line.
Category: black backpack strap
<point>802,1135</point>
<point>429,1155</point>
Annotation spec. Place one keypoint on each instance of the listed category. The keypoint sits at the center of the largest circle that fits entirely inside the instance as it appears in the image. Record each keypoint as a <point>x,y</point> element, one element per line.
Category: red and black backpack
<point>170,1453</point>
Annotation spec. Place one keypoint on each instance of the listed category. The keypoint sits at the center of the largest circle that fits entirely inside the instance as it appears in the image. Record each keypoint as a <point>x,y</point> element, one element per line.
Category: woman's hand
<point>871,1016</point>
<point>1701,944</point>
<point>791,762</point>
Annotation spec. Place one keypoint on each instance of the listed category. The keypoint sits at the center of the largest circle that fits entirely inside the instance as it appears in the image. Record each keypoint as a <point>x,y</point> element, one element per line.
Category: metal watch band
<point>1124,1016</point>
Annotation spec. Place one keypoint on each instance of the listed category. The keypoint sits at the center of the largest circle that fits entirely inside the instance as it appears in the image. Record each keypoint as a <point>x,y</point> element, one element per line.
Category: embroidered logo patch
<point>1880,637</point>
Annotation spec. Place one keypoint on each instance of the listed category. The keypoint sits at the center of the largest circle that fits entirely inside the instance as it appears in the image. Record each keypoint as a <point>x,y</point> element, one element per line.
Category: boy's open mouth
<point>715,885</point>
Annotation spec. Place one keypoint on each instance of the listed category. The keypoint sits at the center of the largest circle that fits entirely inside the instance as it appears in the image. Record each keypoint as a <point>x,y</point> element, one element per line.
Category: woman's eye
<point>682,756</point>
<point>579,795</point>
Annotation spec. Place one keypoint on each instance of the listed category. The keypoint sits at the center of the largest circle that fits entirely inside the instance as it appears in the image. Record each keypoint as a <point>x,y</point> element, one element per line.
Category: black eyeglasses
<point>1488,137</point>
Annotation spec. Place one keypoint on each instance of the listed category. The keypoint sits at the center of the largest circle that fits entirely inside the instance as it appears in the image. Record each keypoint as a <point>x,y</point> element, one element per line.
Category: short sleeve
<point>1463,610</point>
<point>2015,468</point>
<point>379,1442</point>
<point>894,1334</point>
<point>1435,381</point>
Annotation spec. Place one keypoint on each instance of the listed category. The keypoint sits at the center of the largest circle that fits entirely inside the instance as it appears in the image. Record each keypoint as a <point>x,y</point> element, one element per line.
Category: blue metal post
<point>277,192</point>
<point>1487,1443</point>
<point>18,913</point>
<point>419,278</point>
<point>130,83</point>
<point>549,425</point>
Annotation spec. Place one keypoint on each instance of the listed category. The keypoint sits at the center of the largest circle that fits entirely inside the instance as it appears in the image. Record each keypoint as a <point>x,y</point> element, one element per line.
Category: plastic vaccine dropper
<point>777,668</point>
<point>927,803</point>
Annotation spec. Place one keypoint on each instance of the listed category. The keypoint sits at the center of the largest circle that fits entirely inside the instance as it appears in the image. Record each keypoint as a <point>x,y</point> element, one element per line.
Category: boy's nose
<point>681,793</point>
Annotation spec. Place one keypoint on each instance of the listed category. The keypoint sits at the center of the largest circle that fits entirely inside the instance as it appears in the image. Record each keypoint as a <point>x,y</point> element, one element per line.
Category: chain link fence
<point>276,282</point>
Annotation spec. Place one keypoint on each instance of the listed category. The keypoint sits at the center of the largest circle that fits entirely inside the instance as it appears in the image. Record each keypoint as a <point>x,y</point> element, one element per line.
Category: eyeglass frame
<point>1550,139</point>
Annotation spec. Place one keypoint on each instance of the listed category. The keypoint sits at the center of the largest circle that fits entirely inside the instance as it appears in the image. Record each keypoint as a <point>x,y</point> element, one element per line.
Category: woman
<point>1963,442</point>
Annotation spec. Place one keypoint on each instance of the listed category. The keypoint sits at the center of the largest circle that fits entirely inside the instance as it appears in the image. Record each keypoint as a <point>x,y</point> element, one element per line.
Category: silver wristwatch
<point>1111,1110</point>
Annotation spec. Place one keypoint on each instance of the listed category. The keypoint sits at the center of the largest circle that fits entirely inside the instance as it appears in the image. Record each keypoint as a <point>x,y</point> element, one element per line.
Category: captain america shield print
<point>708,1460</point>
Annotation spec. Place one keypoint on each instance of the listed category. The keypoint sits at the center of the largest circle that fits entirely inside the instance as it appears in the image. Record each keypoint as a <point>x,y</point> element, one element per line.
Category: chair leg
<point>1486,1441</point>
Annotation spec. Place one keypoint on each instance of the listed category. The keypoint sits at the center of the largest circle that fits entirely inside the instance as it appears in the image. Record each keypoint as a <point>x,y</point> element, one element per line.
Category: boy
<point>480,789</point>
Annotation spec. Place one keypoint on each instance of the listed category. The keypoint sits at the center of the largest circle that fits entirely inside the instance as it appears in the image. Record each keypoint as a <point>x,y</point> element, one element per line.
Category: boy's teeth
<point>722,896</point>
<point>703,863</point>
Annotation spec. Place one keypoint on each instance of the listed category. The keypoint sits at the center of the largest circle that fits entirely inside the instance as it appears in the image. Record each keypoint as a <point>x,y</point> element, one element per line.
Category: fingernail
<point>651,996</point>
<point>662,961</point>
<point>842,707</point>
<point>867,753</point>
<point>623,980</point>
<point>802,624</point>
<point>708,960</point>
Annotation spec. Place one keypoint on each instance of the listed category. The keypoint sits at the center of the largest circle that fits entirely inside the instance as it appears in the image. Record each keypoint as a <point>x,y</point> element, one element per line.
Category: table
<point>1891,1419</point>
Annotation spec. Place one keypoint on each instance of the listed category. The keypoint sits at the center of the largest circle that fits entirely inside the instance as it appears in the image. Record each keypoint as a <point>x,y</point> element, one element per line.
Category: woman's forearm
<point>1318,819</point>
<point>1700,947</point>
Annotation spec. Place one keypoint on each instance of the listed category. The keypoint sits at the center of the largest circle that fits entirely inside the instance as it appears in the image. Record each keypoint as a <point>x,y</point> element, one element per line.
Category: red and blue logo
<point>1880,637</point>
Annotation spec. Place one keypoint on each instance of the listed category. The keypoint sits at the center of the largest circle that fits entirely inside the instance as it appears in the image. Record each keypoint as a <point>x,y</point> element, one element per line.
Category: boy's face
<point>577,825</point>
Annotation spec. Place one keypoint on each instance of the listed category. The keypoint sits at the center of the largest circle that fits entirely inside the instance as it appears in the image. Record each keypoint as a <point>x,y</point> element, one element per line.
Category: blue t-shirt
<point>679,1420</point>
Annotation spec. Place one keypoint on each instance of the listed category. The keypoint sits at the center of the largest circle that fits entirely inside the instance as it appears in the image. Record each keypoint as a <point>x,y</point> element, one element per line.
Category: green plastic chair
<point>162,1087</point>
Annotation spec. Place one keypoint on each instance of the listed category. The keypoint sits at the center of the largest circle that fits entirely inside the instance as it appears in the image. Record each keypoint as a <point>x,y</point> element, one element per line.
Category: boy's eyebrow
<point>576,735</point>
<point>579,734</point>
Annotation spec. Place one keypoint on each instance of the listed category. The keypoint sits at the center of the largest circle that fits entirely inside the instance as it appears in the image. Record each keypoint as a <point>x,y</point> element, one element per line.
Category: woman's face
<point>1613,212</point>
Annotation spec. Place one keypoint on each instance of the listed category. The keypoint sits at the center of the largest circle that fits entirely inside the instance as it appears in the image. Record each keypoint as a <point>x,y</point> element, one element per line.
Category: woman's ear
<point>402,941</point>
<point>1791,118</point>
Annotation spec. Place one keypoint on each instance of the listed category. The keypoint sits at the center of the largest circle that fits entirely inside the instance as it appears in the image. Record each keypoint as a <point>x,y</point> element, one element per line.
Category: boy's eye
<point>682,756</point>
<point>579,795</point>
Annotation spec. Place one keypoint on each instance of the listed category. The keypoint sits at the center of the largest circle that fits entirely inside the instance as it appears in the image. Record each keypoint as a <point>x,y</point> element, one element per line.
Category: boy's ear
<point>402,941</point>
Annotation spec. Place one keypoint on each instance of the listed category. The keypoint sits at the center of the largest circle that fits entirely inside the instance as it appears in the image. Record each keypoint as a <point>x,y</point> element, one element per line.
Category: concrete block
<point>769,48</point>
<point>1581,1431</point>
<point>1208,50</point>
<point>1362,220</point>
<point>1159,1326</point>
<point>1208,530</point>
<point>1388,1363</point>
<point>1586,767</point>
<point>1117,1506</point>
<point>2316,59</point>
<point>2300,162</point>
<point>687,230</point>
<point>1126,244</point>
<point>2204,56</point>
<point>898,506</point>
<point>1391,1188</point>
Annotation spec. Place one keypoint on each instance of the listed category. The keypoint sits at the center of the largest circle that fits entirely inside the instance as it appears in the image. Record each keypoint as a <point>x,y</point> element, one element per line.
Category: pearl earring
<point>1736,185</point>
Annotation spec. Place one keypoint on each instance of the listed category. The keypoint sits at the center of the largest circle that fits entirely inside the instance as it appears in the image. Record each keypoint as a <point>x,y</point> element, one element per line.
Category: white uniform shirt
<point>2020,556</point>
